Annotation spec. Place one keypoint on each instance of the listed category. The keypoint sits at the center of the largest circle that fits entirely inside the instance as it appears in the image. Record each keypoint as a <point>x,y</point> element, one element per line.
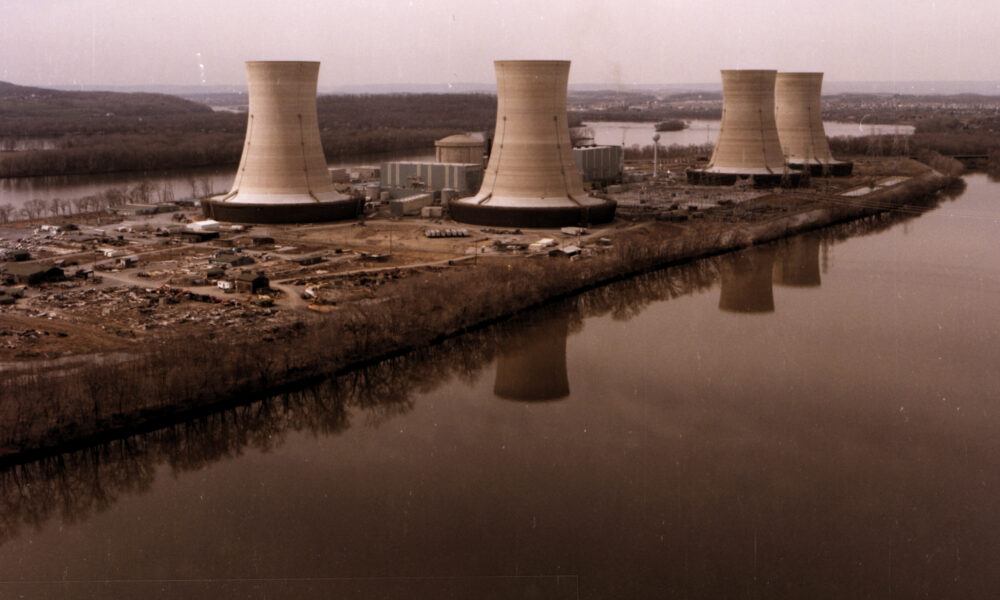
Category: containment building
<point>748,144</point>
<point>799,118</point>
<point>282,175</point>
<point>531,179</point>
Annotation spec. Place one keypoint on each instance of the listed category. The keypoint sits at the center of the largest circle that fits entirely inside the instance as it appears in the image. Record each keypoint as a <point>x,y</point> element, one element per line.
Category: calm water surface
<point>182,183</point>
<point>815,418</point>
<point>702,131</point>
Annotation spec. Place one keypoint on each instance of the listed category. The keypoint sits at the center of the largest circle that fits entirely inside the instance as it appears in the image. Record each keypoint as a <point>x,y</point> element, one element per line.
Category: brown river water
<point>813,418</point>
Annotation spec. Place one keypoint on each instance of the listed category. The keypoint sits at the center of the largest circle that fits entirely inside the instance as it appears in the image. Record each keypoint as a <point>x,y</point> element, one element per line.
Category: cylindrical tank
<point>748,144</point>
<point>460,149</point>
<point>531,179</point>
<point>798,115</point>
<point>282,175</point>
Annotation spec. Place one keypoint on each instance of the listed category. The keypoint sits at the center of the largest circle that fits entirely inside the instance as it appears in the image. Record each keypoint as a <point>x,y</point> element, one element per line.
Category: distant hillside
<point>21,101</point>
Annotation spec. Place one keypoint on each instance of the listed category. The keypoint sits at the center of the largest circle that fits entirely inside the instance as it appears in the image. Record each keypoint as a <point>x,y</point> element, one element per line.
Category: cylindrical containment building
<point>531,179</point>
<point>748,145</point>
<point>799,117</point>
<point>282,176</point>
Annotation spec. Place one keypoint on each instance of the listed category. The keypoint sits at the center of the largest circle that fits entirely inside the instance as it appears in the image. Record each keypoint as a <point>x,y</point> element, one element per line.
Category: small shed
<point>32,273</point>
<point>250,282</point>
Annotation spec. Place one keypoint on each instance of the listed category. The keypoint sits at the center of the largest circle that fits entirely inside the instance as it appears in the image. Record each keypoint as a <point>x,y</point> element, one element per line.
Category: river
<point>186,183</point>
<point>704,131</point>
<point>813,418</point>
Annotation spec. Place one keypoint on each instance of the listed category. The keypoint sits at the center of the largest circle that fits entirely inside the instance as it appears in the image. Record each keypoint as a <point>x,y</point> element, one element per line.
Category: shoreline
<point>175,382</point>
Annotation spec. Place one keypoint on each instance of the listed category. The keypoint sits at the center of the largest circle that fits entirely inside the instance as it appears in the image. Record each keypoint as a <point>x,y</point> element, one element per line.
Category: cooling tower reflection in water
<point>824,450</point>
<point>533,366</point>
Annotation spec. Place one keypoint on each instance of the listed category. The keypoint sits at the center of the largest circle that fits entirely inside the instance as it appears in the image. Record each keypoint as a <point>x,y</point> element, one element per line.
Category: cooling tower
<point>797,263</point>
<point>799,117</point>
<point>531,179</point>
<point>748,145</point>
<point>282,176</point>
<point>746,281</point>
<point>532,367</point>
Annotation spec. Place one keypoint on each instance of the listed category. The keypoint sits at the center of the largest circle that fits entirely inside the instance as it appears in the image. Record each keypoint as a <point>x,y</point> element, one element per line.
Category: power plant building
<point>461,148</point>
<point>531,179</point>
<point>464,178</point>
<point>799,117</point>
<point>282,176</point>
<point>748,144</point>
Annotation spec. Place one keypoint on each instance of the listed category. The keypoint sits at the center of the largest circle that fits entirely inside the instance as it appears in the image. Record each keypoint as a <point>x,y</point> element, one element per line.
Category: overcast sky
<point>125,42</point>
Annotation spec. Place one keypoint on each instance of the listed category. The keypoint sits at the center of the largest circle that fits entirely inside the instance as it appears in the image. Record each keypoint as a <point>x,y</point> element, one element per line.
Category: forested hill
<point>20,101</point>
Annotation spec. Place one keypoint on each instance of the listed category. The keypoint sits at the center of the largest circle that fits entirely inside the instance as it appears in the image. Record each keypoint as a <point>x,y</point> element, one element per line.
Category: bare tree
<point>6,210</point>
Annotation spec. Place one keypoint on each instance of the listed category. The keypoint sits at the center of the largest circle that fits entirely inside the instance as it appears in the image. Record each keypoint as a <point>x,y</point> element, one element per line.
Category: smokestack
<point>799,118</point>
<point>531,179</point>
<point>748,145</point>
<point>282,176</point>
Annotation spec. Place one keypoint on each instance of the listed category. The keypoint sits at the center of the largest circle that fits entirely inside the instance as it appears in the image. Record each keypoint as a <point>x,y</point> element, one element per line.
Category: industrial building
<point>799,118</point>
<point>282,176</point>
<point>461,148</point>
<point>409,176</point>
<point>748,144</point>
<point>531,179</point>
<point>600,165</point>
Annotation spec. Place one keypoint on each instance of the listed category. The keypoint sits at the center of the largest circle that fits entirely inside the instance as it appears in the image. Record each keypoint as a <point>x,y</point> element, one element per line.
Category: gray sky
<point>124,42</point>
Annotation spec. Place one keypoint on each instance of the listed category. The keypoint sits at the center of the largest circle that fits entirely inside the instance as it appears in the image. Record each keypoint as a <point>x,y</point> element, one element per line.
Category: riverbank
<point>46,411</point>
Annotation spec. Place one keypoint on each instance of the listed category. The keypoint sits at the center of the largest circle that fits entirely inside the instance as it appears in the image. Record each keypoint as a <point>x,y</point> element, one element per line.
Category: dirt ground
<point>317,267</point>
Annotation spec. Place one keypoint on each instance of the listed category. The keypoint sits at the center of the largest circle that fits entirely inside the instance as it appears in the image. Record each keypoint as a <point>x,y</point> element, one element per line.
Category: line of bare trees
<point>144,192</point>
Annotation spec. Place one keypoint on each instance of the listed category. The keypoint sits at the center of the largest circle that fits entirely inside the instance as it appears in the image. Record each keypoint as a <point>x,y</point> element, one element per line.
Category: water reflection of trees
<point>78,484</point>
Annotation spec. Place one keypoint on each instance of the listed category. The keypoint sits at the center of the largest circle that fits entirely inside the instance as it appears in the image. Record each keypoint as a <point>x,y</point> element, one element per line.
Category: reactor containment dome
<point>799,117</point>
<point>531,179</point>
<point>748,145</point>
<point>282,176</point>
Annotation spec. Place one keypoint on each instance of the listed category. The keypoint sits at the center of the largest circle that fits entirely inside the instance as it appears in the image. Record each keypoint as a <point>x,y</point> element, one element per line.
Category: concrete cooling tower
<point>282,177</point>
<point>748,145</point>
<point>799,117</point>
<point>531,179</point>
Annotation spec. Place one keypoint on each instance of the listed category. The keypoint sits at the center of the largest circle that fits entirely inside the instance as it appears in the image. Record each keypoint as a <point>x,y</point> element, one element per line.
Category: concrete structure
<point>532,366</point>
<point>461,148</point>
<point>410,206</point>
<point>748,145</point>
<point>465,178</point>
<point>746,281</point>
<point>798,115</point>
<point>282,176</point>
<point>531,179</point>
<point>600,164</point>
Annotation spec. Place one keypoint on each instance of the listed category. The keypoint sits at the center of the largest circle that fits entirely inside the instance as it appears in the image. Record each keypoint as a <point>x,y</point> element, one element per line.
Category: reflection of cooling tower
<point>533,366</point>
<point>531,179</point>
<point>282,175</point>
<point>799,118</point>
<point>748,143</point>
<point>746,281</point>
<point>797,263</point>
